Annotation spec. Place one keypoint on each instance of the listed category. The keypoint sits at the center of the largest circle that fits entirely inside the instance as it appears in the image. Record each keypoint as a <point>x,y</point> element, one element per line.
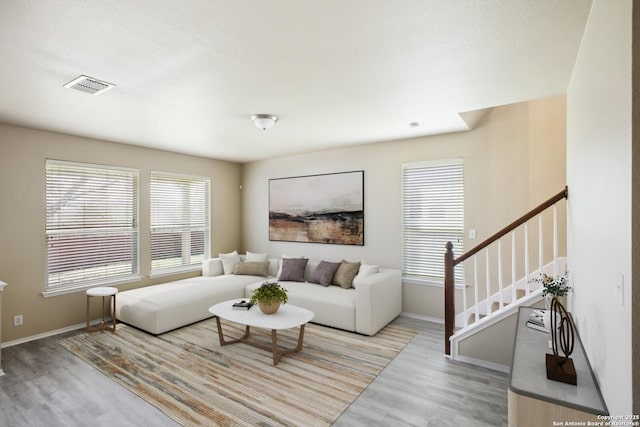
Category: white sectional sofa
<point>374,300</point>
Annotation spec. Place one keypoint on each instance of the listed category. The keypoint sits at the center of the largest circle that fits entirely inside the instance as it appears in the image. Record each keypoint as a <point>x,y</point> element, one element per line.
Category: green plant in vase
<point>553,286</point>
<point>269,296</point>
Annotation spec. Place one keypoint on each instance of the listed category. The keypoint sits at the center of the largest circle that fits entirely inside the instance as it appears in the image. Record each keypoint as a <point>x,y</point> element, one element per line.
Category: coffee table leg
<point>221,335</point>
<point>274,347</point>
<point>277,355</point>
<point>300,338</point>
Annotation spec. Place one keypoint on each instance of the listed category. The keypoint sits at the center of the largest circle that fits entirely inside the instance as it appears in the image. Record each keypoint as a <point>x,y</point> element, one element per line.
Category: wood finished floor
<point>45,385</point>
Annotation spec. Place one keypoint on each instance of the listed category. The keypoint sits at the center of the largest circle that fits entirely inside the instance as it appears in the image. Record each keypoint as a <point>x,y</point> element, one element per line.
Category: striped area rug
<point>188,376</point>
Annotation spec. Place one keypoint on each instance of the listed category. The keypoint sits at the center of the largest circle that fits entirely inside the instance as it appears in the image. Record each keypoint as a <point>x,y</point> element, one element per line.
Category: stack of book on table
<point>536,321</point>
<point>242,305</point>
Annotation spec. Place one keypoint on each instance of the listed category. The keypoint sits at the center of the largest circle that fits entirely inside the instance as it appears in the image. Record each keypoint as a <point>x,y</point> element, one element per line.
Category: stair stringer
<point>491,319</point>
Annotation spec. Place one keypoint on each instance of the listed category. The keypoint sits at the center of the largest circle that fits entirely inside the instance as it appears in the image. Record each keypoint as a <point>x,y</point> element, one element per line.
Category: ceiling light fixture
<point>264,121</point>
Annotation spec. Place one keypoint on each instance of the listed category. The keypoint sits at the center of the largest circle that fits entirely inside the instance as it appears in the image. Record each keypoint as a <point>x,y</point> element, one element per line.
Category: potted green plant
<point>269,296</point>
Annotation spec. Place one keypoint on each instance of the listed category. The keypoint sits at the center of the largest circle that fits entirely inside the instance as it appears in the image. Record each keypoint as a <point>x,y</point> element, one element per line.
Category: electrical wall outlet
<point>17,320</point>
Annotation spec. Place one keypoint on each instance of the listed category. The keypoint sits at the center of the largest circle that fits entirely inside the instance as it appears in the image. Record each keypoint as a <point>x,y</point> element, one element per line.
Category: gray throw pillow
<point>251,268</point>
<point>324,272</point>
<point>345,273</point>
<point>293,269</point>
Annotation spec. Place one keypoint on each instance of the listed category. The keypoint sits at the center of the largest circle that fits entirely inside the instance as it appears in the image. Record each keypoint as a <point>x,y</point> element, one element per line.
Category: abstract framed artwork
<point>326,208</point>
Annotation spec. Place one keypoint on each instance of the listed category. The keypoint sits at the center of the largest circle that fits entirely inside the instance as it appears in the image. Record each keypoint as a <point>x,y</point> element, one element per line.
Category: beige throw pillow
<point>345,273</point>
<point>251,268</point>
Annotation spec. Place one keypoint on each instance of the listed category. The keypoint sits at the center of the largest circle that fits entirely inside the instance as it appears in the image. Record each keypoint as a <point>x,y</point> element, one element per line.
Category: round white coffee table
<point>288,316</point>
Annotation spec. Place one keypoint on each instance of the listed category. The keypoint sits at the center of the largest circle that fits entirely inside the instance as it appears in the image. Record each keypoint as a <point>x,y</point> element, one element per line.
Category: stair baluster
<point>540,244</point>
<point>513,266</point>
<point>526,258</point>
<point>476,287</point>
<point>501,296</point>
<point>555,240</point>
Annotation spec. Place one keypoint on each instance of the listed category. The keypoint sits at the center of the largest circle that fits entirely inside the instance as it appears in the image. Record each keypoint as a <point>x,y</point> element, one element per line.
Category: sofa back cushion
<point>254,257</point>
<point>212,267</point>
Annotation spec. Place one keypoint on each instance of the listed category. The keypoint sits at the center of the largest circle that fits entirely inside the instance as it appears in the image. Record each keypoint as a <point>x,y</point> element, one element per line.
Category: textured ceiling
<point>190,73</point>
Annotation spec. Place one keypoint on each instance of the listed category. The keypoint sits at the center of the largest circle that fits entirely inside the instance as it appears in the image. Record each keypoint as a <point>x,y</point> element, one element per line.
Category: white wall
<point>599,204</point>
<point>503,157</point>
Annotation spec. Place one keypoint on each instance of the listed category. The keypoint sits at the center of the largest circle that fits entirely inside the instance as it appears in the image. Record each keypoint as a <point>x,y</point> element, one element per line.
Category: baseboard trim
<point>421,317</point>
<point>483,364</point>
<point>51,333</point>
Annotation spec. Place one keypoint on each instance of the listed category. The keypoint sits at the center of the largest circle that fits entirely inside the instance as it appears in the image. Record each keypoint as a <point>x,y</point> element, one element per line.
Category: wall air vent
<point>89,85</point>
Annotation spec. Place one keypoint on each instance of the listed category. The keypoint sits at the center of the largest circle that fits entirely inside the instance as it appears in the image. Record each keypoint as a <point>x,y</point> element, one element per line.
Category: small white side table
<point>103,292</point>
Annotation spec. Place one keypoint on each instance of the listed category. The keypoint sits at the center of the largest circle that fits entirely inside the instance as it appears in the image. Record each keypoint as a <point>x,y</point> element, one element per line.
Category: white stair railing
<point>483,307</point>
<point>493,289</point>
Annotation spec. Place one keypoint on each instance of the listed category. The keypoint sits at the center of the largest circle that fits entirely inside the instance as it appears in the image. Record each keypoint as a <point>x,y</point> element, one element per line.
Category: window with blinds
<point>179,222</point>
<point>432,215</point>
<point>91,225</point>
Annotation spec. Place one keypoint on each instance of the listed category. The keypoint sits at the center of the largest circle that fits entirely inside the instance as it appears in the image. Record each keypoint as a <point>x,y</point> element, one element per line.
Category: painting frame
<point>322,208</point>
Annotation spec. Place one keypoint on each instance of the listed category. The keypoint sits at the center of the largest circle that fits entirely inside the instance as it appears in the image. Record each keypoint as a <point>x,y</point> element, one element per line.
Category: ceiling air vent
<point>89,85</point>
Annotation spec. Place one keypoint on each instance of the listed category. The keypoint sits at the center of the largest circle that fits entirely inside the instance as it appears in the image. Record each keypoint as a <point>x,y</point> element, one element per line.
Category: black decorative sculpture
<point>561,368</point>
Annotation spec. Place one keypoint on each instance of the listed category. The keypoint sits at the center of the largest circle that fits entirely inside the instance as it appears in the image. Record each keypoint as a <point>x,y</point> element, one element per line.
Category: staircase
<point>487,296</point>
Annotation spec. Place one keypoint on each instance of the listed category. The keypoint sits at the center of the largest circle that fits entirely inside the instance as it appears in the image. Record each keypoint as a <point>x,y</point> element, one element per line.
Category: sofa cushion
<point>229,261</point>
<point>324,272</point>
<point>252,268</point>
<point>160,308</point>
<point>212,267</point>
<point>345,273</point>
<point>253,257</point>
<point>274,265</point>
<point>293,269</point>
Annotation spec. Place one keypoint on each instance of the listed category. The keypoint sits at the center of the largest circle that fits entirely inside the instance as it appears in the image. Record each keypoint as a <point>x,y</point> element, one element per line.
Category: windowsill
<point>174,271</point>
<point>428,282</point>
<point>70,290</point>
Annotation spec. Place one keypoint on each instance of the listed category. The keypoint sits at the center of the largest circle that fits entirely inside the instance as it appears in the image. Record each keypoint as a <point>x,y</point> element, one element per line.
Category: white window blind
<point>432,215</point>
<point>179,221</point>
<point>91,224</point>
